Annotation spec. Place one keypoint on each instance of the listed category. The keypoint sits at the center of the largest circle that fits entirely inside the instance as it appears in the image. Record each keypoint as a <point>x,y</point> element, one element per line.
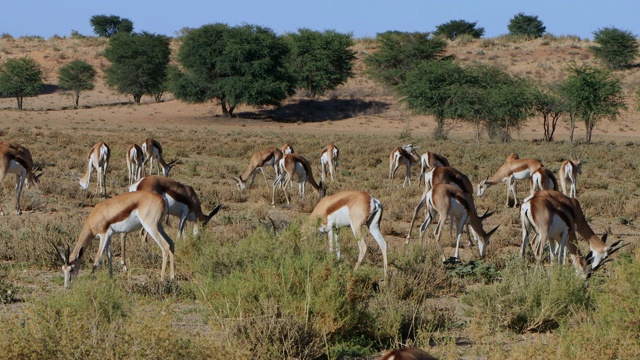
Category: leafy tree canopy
<point>398,52</point>
<point>19,78</point>
<point>321,60</point>
<point>454,28</point>
<point>109,25</point>
<point>138,63</point>
<point>593,94</point>
<point>234,65</point>
<point>617,48</point>
<point>527,25</point>
<point>77,76</point>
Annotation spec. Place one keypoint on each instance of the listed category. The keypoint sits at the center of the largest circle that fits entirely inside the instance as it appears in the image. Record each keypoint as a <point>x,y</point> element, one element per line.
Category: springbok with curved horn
<point>296,165</point>
<point>123,213</point>
<point>135,159</point>
<point>153,150</point>
<point>450,201</point>
<point>16,159</point>
<point>355,209</point>
<point>269,156</point>
<point>599,250</point>
<point>329,161</point>
<point>405,155</point>
<point>98,159</point>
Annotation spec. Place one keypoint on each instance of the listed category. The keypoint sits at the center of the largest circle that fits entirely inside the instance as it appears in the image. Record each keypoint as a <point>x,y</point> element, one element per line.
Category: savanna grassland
<point>258,281</point>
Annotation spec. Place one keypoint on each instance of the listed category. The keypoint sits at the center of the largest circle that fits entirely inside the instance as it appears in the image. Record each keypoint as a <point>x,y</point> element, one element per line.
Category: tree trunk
<point>225,112</point>
<point>572,126</point>
<point>77,98</point>
<point>439,132</point>
<point>19,98</point>
<point>589,125</point>
<point>136,98</point>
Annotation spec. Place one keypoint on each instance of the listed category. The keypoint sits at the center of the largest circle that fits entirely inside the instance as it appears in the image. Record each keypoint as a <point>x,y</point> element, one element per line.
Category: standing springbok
<point>355,209</point>
<point>16,159</point>
<point>430,160</point>
<point>152,149</point>
<point>405,155</point>
<point>569,170</point>
<point>543,179</point>
<point>296,165</point>
<point>98,159</point>
<point>135,159</point>
<point>123,213</point>
<point>329,161</point>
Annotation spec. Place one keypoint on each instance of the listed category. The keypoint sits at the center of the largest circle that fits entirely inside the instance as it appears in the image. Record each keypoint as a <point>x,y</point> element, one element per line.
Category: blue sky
<point>362,18</point>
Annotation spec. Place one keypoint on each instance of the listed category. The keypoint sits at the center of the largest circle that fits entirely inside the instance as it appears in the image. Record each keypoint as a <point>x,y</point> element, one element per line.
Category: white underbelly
<point>557,228</point>
<point>521,175</point>
<point>339,218</point>
<point>131,223</point>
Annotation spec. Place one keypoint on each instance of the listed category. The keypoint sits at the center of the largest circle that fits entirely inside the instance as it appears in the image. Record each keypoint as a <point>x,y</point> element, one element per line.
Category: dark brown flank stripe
<point>337,205</point>
<point>122,215</point>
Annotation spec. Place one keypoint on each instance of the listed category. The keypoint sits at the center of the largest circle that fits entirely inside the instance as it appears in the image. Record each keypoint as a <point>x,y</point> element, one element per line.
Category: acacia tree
<point>321,60</point>
<point>109,25</point>
<point>398,52</point>
<point>77,76</point>
<point>454,28</point>
<point>429,88</point>
<point>138,64</point>
<point>617,48</point>
<point>20,78</point>
<point>528,25</point>
<point>592,94</point>
<point>550,106</point>
<point>234,65</point>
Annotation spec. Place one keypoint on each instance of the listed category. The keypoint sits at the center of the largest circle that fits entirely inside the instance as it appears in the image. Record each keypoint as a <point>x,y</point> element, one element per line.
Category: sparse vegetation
<point>251,288</point>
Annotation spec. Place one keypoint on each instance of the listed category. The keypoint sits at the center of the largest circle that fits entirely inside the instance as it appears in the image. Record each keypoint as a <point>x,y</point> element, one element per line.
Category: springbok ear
<point>79,253</point>
<point>604,237</point>
<point>215,210</point>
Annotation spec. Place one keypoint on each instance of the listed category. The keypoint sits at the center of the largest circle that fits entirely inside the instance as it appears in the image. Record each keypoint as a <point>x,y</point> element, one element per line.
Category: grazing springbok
<point>16,159</point>
<point>599,250</point>
<point>269,156</point>
<point>182,200</point>
<point>405,155</point>
<point>98,159</point>
<point>153,150</point>
<point>123,213</point>
<point>329,161</point>
<point>513,169</point>
<point>355,209</point>
<point>450,201</point>
<point>569,170</point>
<point>296,165</point>
<point>135,159</point>
<point>430,160</point>
<point>441,175</point>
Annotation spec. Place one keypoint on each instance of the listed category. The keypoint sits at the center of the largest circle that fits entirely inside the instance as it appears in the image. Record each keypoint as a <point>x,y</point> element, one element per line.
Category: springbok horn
<point>64,260</point>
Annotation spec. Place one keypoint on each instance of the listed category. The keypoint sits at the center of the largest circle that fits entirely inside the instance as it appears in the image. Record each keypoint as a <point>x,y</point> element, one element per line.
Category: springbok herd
<point>547,213</point>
